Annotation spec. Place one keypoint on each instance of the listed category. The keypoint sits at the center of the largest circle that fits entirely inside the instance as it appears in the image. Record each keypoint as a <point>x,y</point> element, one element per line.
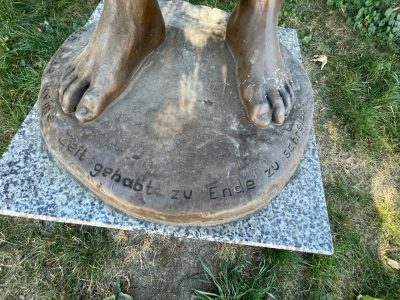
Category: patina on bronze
<point>176,145</point>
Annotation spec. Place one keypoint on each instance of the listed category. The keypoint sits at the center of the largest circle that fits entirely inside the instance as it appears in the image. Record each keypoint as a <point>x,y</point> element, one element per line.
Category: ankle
<point>137,8</point>
<point>265,11</point>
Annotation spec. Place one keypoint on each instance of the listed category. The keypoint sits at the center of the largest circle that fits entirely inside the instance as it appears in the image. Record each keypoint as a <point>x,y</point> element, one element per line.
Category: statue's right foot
<point>126,33</point>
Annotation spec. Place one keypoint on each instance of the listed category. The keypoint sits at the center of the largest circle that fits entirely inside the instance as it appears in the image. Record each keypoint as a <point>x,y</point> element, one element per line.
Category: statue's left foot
<point>266,86</point>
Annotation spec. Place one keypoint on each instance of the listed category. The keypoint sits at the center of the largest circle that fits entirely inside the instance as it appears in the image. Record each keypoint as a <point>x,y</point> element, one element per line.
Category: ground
<point>357,126</point>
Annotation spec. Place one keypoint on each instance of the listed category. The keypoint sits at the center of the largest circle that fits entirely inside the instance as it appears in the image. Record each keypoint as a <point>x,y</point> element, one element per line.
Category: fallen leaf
<point>37,28</point>
<point>323,59</point>
<point>393,264</point>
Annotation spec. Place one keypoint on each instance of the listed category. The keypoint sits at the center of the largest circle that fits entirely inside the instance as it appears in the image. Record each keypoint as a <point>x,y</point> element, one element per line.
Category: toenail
<point>280,118</point>
<point>263,118</point>
<point>83,111</point>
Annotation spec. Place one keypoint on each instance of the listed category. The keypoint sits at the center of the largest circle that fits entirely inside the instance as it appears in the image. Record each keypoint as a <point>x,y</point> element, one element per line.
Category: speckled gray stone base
<point>33,185</point>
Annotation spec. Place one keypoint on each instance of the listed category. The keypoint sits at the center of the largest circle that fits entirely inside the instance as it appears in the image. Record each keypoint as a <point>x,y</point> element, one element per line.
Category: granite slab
<point>33,185</point>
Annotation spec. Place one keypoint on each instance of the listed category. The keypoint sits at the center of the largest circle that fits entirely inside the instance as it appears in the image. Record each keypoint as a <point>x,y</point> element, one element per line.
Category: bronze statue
<point>129,30</point>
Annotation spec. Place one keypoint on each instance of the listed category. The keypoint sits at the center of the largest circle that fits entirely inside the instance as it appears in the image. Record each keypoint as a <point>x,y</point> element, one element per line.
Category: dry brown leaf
<point>323,59</point>
<point>37,28</point>
<point>393,264</point>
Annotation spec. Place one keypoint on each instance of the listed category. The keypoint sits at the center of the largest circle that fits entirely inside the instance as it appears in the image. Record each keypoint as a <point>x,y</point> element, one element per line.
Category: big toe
<point>261,115</point>
<point>91,105</point>
<point>257,107</point>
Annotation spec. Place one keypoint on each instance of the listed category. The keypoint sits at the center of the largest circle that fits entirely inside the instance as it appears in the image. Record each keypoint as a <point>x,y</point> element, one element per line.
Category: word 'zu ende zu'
<point>214,192</point>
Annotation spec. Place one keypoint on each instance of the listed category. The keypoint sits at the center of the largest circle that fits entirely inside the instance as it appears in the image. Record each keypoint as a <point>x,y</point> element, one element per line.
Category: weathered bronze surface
<point>176,146</point>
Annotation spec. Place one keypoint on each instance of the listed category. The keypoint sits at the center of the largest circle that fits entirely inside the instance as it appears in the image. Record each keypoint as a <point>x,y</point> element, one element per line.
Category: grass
<point>30,32</point>
<point>52,261</point>
<point>357,123</point>
<point>238,282</point>
<point>370,86</point>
